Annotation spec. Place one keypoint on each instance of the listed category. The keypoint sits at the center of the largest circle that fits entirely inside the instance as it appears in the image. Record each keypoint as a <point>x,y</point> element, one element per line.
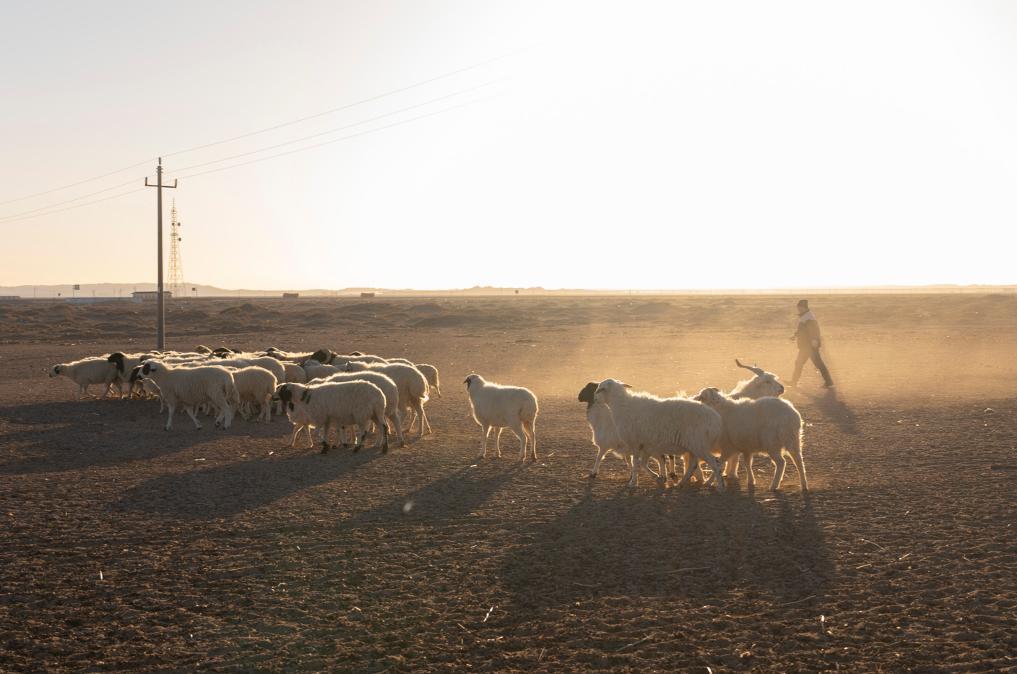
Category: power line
<point>336,140</point>
<point>343,128</point>
<point>347,106</point>
<point>350,105</point>
<point>80,182</point>
<point>70,208</point>
<point>254,161</point>
<point>14,216</point>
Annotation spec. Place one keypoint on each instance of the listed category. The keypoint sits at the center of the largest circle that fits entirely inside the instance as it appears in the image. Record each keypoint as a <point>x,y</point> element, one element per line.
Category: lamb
<point>498,407</point>
<point>412,387</point>
<point>345,403</point>
<point>87,372</point>
<point>769,425</point>
<point>270,364</point>
<point>652,426</point>
<point>255,385</point>
<point>190,387</point>
<point>388,387</point>
<point>125,364</point>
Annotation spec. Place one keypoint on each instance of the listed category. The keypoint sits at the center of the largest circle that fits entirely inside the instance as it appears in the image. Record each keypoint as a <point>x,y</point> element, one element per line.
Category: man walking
<point>809,343</point>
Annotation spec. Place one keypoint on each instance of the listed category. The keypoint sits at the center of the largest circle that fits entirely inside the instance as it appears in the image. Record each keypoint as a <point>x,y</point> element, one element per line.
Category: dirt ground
<point>125,547</point>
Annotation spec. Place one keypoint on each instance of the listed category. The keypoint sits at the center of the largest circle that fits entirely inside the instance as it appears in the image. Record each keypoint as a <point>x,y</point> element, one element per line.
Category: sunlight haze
<point>594,145</point>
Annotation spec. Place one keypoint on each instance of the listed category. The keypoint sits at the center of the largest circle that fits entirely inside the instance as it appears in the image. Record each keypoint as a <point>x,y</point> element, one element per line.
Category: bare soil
<point>125,547</point>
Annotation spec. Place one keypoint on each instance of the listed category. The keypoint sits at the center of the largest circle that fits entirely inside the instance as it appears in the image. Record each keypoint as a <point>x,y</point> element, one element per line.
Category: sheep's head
<point>473,380</point>
<point>709,396</point>
<point>763,385</point>
<point>587,394</point>
<point>118,359</point>
<point>151,367</point>
<point>136,373</point>
<point>324,356</point>
<point>201,348</point>
<point>608,389</point>
<point>284,394</point>
<point>56,370</point>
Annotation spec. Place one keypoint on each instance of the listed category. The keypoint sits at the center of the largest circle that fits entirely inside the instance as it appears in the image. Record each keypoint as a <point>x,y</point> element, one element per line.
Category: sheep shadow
<point>235,488</point>
<point>452,497</point>
<point>836,410</point>
<point>70,435</point>
<point>691,543</point>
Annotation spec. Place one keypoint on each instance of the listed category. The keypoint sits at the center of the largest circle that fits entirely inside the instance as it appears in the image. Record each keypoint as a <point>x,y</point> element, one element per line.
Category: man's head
<point>803,306</point>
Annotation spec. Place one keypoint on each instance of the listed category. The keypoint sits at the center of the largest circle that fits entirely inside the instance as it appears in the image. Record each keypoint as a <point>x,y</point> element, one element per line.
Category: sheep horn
<point>757,370</point>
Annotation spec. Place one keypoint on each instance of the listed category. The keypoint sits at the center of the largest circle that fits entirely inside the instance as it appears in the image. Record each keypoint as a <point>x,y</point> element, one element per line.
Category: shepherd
<point>809,344</point>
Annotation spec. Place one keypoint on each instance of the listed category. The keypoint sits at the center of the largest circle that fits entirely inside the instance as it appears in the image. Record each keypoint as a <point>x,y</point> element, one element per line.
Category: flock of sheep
<point>356,393</point>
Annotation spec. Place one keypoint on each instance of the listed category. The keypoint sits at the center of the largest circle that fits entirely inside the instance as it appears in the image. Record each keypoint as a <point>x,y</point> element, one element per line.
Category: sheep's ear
<point>624,385</point>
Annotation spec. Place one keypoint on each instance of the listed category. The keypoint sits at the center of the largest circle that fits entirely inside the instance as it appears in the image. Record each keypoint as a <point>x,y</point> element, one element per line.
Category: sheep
<point>387,386</point>
<point>498,407</point>
<point>295,373</point>
<point>315,370</point>
<point>201,348</point>
<point>149,388</point>
<point>412,387</point>
<point>86,372</point>
<point>256,384</point>
<point>125,364</point>
<point>770,426</point>
<point>764,384</point>
<point>343,403</point>
<point>190,387</point>
<point>605,435</point>
<point>270,364</point>
<point>652,426</point>
<point>430,373</point>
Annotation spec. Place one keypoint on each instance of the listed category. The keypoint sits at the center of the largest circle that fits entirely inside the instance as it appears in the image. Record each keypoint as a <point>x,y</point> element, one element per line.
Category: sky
<point>662,145</point>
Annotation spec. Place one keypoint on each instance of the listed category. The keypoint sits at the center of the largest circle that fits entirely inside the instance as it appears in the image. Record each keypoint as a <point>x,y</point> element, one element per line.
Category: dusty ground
<point>124,547</point>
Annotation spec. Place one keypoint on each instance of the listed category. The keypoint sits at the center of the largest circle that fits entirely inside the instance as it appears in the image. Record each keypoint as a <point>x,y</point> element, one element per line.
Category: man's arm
<point>813,328</point>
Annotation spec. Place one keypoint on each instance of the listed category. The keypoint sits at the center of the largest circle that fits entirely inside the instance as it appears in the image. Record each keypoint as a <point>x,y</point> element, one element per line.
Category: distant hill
<point>125,290</point>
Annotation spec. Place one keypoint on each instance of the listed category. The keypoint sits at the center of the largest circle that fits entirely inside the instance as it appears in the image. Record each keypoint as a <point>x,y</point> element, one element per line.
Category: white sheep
<point>255,385</point>
<point>190,387</point>
<point>315,370</point>
<point>430,373</point>
<point>412,387</point>
<point>387,386</point>
<point>605,435</point>
<point>651,426</point>
<point>763,385</point>
<point>770,426</point>
<point>344,403</point>
<point>498,407</point>
<point>295,373</point>
<point>87,372</point>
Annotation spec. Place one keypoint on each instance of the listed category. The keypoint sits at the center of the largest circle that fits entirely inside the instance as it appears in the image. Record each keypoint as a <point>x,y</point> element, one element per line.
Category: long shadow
<point>449,498</point>
<point>836,410</point>
<point>234,488</point>
<point>684,543</point>
<point>71,435</point>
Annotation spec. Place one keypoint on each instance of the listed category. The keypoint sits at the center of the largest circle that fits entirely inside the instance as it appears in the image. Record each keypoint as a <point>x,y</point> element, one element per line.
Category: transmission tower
<point>176,267</point>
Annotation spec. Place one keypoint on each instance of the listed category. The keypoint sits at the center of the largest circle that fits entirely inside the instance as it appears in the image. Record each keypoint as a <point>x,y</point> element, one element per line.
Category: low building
<point>150,295</point>
<point>290,296</point>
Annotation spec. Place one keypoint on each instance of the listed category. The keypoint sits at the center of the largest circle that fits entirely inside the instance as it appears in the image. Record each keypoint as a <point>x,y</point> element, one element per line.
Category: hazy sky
<point>618,145</point>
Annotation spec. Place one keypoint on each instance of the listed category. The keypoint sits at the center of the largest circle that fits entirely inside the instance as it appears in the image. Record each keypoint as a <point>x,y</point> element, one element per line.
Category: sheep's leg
<point>425,421</point>
<point>296,432</point>
<point>662,478</point>
<point>194,417</point>
<point>82,391</point>
<point>691,464</point>
<point>397,424</point>
<point>731,466</point>
<point>799,462</point>
<point>171,408</point>
<point>751,476</point>
<point>517,430</point>
<point>601,453</point>
<point>266,409</point>
<point>485,431</point>
<point>497,440</point>
<point>530,430</point>
<point>781,463</point>
<point>360,441</point>
<point>636,464</point>
<point>714,465</point>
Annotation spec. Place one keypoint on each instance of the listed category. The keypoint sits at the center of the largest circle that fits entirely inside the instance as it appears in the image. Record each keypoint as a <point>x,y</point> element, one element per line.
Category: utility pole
<point>161,307</point>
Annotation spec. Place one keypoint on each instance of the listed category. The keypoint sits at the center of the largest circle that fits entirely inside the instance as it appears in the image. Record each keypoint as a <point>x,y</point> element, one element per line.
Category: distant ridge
<point>125,290</point>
